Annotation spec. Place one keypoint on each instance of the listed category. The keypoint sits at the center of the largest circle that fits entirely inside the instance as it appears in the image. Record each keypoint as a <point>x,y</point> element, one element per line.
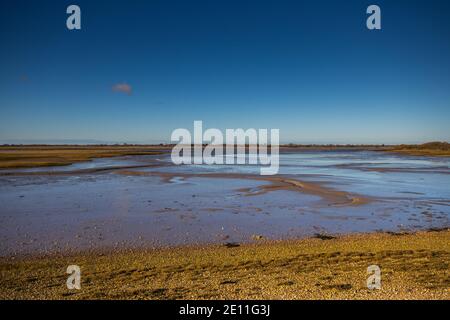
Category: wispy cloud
<point>122,87</point>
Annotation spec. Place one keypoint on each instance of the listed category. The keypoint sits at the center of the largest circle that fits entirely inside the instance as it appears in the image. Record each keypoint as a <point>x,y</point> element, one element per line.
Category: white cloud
<point>122,87</point>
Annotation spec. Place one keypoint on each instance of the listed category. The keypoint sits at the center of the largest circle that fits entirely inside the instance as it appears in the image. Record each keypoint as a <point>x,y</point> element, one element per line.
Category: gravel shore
<point>413,266</point>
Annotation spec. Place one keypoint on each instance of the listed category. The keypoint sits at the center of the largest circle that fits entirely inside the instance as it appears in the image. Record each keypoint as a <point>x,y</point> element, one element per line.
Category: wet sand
<point>144,201</point>
<point>329,196</point>
<point>413,266</point>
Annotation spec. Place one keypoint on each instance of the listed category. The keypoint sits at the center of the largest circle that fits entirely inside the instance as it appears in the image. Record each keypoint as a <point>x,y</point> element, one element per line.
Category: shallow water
<point>53,213</point>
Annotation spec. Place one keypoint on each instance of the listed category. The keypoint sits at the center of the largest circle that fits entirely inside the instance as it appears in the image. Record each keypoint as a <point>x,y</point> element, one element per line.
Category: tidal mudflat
<point>143,201</point>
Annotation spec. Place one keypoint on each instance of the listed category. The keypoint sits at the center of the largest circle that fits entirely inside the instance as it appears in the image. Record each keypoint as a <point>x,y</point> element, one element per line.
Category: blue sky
<point>310,68</point>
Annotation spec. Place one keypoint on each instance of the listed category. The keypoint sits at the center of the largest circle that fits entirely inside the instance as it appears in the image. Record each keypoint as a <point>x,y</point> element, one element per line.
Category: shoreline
<point>327,266</point>
<point>33,156</point>
<point>255,240</point>
<point>414,266</point>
